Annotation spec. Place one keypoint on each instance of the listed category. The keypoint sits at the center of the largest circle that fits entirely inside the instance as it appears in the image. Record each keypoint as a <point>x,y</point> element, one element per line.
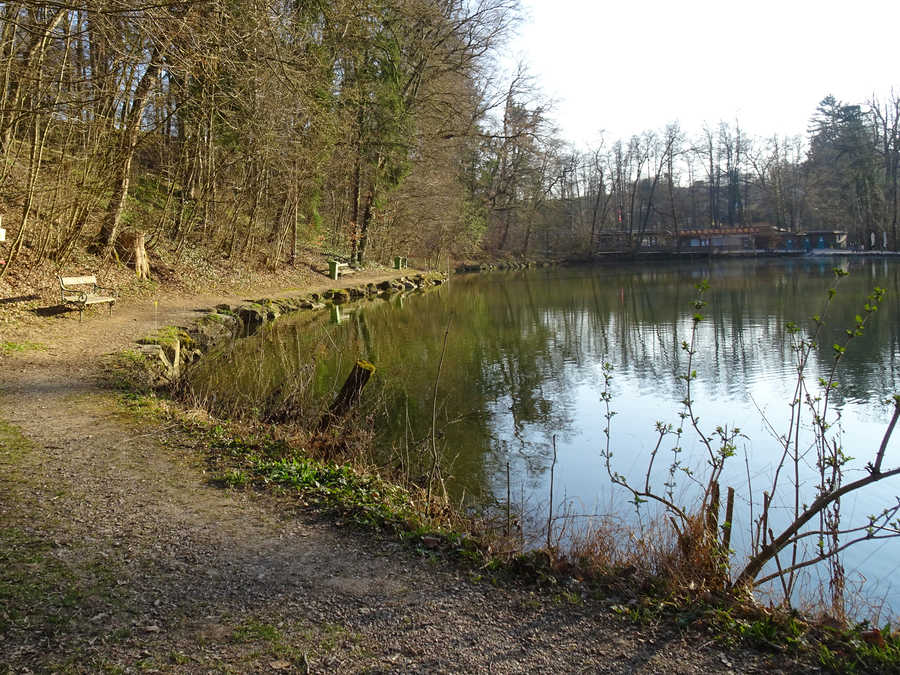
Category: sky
<point>626,66</point>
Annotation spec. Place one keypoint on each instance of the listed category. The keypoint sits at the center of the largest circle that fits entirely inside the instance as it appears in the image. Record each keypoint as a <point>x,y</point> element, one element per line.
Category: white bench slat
<point>74,281</point>
<point>94,299</point>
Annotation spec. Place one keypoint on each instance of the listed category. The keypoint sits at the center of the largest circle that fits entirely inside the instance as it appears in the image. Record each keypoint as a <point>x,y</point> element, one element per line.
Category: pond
<point>521,370</point>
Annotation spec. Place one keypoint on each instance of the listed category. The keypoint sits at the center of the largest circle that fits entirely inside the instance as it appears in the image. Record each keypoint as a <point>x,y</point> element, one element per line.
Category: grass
<point>861,650</point>
<point>293,643</point>
<point>135,376</point>
<point>13,445</point>
<point>26,572</point>
<point>144,407</point>
<point>39,590</point>
<point>11,347</point>
<point>255,631</point>
<point>264,462</point>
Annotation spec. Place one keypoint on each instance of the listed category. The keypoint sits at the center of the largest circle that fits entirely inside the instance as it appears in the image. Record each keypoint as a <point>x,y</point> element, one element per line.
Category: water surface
<point>522,368</point>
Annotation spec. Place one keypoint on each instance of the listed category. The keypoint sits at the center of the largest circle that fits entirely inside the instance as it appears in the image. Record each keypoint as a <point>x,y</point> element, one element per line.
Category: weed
<point>179,658</point>
<point>776,631</point>
<point>253,631</point>
<point>871,650</point>
<point>365,498</point>
<point>568,598</point>
<point>642,613</point>
<point>833,661</point>
<point>236,478</point>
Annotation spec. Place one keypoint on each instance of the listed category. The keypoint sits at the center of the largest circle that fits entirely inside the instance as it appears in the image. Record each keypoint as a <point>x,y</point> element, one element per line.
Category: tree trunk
<point>294,228</point>
<point>364,226</point>
<point>141,262</point>
<point>354,204</point>
<point>109,230</point>
<point>349,395</point>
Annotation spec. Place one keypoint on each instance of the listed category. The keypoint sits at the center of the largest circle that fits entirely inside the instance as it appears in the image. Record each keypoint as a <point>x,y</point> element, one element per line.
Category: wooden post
<point>349,394</point>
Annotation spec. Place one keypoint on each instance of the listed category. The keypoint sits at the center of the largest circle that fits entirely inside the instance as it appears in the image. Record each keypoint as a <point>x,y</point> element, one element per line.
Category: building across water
<point>751,238</point>
<point>760,238</point>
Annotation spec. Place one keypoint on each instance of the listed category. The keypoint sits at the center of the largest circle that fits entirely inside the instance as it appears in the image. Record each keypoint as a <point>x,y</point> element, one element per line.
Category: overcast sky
<point>625,66</point>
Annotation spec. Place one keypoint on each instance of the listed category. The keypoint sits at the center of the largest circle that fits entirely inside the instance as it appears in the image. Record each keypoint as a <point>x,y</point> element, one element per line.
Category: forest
<point>255,129</point>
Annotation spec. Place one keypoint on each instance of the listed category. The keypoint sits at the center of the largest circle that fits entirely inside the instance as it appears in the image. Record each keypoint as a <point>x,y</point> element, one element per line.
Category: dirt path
<point>117,555</point>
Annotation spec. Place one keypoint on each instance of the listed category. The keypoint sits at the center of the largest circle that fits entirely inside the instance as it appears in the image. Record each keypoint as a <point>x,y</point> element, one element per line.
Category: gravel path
<point>131,561</point>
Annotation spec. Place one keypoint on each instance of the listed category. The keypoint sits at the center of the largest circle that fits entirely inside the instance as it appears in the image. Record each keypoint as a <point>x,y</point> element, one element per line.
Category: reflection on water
<point>523,364</point>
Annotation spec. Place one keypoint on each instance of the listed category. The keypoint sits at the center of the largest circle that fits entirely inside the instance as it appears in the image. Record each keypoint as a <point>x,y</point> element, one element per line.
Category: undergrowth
<point>267,462</point>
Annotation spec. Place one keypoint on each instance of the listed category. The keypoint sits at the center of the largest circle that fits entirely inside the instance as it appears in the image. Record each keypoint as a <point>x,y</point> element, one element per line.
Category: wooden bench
<point>335,267</point>
<point>84,291</point>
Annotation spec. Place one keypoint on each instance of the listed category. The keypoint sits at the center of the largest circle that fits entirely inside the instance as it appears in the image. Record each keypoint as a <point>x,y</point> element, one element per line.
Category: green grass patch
<point>145,407</point>
<point>13,445</point>
<point>35,587</point>
<point>778,631</point>
<point>11,347</point>
<point>257,631</point>
<point>43,592</point>
<point>127,370</point>
<point>292,642</point>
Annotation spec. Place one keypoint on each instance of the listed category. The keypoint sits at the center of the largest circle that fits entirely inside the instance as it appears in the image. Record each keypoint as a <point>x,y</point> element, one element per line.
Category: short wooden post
<point>349,394</point>
<point>333,269</point>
